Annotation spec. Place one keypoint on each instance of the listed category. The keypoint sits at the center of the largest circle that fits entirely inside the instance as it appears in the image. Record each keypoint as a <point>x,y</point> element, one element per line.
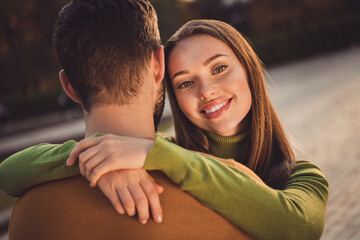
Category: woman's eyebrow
<point>179,73</point>
<point>206,62</point>
<point>209,60</point>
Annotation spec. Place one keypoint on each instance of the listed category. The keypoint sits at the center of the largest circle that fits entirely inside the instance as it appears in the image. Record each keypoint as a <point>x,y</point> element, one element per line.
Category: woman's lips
<point>216,108</point>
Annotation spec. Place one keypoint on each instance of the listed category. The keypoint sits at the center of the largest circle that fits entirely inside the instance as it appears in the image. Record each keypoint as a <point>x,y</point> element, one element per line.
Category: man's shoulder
<point>77,211</point>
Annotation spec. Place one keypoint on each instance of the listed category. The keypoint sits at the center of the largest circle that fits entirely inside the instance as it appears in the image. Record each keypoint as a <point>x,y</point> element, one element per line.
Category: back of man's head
<point>105,47</point>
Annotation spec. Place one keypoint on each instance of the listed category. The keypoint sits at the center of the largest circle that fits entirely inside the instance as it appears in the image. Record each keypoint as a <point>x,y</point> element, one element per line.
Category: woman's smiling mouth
<point>215,109</point>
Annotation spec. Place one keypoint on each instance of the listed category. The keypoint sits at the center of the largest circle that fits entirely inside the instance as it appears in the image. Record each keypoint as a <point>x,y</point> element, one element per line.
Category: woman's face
<point>210,84</point>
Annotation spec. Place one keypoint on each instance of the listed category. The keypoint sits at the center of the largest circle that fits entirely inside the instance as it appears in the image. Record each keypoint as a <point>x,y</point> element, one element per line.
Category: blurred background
<point>280,30</point>
<point>310,47</point>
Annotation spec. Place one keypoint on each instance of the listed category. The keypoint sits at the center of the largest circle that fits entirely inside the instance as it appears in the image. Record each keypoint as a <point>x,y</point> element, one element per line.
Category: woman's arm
<point>297,212</point>
<point>35,165</point>
<point>46,162</point>
<point>294,213</point>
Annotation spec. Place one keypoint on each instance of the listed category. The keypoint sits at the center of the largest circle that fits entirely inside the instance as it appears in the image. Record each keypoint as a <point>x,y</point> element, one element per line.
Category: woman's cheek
<point>188,105</point>
<point>183,104</point>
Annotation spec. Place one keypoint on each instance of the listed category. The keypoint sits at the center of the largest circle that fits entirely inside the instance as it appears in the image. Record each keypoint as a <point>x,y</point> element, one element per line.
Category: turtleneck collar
<point>234,147</point>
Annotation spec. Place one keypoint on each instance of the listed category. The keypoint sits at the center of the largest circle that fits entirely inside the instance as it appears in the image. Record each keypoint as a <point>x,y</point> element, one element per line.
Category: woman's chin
<point>226,132</point>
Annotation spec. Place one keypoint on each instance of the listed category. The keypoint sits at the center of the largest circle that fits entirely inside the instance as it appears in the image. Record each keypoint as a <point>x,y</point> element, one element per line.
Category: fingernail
<point>158,219</point>
<point>91,184</point>
<point>67,162</point>
<point>144,222</point>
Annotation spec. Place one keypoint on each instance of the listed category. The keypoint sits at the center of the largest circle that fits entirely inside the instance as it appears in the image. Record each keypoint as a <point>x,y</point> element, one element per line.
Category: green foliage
<point>281,46</point>
<point>280,30</point>
<point>27,59</point>
<point>171,15</point>
<point>302,29</point>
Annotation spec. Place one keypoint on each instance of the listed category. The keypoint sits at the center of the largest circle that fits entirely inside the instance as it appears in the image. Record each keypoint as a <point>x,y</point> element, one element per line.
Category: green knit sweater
<point>297,212</point>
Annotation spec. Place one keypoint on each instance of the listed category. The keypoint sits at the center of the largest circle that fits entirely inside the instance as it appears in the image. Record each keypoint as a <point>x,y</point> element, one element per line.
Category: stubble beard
<point>159,106</point>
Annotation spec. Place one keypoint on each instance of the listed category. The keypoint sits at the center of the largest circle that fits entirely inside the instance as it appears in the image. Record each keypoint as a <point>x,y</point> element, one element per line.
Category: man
<point>113,66</point>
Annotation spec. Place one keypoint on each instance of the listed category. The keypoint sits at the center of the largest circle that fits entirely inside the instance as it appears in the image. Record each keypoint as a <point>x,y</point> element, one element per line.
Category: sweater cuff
<point>168,158</point>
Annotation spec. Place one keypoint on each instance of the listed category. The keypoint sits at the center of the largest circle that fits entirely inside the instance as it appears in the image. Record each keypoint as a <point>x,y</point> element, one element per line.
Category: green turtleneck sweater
<point>229,147</point>
<point>296,212</point>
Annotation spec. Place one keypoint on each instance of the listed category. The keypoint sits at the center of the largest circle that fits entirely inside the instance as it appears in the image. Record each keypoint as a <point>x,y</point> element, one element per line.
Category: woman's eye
<point>220,69</point>
<point>185,84</point>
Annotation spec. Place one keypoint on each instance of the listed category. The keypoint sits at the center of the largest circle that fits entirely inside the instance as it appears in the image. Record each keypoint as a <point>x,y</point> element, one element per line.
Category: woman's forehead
<point>196,50</point>
<point>200,42</point>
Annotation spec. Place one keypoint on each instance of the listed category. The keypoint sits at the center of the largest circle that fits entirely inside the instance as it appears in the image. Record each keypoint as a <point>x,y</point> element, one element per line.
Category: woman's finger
<point>104,167</point>
<point>86,159</point>
<point>141,202</point>
<point>114,198</point>
<point>152,195</point>
<point>81,147</point>
<point>108,163</point>
<point>100,157</point>
<point>159,189</point>
<point>127,200</point>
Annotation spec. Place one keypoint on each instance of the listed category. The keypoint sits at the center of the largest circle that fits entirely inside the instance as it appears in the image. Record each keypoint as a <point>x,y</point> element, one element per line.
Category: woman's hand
<point>133,189</point>
<point>100,155</point>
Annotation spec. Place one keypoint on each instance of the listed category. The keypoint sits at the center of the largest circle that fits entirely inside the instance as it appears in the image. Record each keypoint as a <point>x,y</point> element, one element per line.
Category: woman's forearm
<point>35,165</point>
<point>297,212</point>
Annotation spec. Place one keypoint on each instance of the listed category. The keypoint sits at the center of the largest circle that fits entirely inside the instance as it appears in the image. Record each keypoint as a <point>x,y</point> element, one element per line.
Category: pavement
<point>4,236</point>
<point>318,100</point>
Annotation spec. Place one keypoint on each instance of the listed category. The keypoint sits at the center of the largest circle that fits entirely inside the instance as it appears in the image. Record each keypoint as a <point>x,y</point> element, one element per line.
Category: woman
<point>270,155</point>
<point>217,92</point>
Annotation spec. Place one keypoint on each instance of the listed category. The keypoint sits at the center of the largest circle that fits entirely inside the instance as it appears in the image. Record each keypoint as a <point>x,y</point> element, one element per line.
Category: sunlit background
<point>310,47</point>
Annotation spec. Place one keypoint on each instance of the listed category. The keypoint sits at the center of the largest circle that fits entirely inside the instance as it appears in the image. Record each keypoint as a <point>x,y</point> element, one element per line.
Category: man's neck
<point>125,120</point>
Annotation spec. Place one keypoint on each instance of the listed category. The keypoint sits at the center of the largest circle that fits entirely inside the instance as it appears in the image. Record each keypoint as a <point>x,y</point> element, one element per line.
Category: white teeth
<point>213,109</point>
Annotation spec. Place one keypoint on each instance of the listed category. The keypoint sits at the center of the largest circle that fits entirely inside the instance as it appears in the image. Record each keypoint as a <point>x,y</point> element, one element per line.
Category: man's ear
<point>159,64</point>
<point>64,80</point>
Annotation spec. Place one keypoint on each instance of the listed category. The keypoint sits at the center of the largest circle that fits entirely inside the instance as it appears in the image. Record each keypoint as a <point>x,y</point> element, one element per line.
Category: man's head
<point>105,47</point>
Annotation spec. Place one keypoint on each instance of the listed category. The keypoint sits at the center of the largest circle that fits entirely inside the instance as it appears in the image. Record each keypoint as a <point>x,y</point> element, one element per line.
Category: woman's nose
<point>207,91</point>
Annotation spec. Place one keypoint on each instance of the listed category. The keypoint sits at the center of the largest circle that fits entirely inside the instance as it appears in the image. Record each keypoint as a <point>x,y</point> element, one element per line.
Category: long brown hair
<point>270,155</point>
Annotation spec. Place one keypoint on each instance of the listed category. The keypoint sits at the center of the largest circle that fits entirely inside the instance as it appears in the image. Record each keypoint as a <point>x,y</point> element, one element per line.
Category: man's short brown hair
<point>104,47</point>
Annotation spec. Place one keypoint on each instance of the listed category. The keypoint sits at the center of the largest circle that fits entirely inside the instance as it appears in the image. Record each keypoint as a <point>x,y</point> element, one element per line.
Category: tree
<point>27,58</point>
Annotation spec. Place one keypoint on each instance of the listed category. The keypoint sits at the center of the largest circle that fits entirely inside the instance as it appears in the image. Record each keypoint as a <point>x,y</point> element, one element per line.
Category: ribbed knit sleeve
<point>35,165</point>
<point>297,212</point>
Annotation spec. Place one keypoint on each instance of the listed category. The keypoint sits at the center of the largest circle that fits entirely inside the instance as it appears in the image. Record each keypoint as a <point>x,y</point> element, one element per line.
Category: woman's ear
<point>159,64</point>
<point>64,80</point>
